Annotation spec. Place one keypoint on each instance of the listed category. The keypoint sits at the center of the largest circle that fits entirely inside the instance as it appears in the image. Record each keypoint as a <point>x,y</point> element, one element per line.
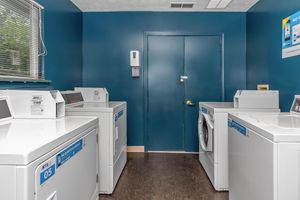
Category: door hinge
<point>97,178</point>
<point>97,138</point>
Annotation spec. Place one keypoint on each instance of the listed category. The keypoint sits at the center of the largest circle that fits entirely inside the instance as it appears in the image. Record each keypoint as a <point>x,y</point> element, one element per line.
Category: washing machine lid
<point>95,107</point>
<point>24,140</point>
<point>214,105</point>
<point>280,127</point>
<point>281,121</point>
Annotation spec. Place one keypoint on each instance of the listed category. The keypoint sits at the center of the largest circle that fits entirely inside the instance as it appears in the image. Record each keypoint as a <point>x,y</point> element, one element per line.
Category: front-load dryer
<point>213,134</point>
<point>206,131</point>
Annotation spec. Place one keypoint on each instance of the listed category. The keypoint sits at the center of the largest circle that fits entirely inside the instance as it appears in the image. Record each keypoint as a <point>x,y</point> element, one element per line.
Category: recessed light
<point>214,4</point>
<point>224,3</point>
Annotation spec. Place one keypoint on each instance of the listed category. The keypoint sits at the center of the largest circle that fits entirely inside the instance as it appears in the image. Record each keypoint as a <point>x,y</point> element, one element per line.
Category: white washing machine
<point>47,159</point>
<point>264,155</point>
<point>112,135</point>
<point>213,133</point>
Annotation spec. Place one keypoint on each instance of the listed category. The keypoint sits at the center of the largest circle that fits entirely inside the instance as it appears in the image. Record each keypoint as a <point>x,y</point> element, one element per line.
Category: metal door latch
<point>183,78</point>
<point>189,103</point>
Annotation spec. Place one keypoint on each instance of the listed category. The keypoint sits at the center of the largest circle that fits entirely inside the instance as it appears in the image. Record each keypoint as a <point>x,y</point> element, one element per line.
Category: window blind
<point>21,45</point>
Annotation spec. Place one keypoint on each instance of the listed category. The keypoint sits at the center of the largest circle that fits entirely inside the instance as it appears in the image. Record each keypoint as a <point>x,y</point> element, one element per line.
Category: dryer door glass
<point>206,134</point>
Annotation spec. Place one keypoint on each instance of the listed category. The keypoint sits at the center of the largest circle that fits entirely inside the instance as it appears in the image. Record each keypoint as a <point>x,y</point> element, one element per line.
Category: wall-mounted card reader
<point>35,104</point>
<point>135,63</point>
<point>135,58</point>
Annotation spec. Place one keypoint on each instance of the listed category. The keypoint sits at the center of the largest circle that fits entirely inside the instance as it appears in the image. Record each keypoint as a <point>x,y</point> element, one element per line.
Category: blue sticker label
<point>240,128</point>
<point>119,115</point>
<point>229,123</point>
<point>47,174</point>
<point>68,153</point>
<point>204,110</point>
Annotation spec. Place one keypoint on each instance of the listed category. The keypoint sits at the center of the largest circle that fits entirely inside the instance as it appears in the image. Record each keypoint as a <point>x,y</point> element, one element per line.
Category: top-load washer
<point>43,157</point>
<point>264,155</point>
<point>213,131</point>
<point>112,132</point>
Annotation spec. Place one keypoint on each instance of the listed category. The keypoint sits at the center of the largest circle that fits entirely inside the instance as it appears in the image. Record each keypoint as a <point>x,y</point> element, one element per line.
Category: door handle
<point>189,103</point>
<point>183,78</point>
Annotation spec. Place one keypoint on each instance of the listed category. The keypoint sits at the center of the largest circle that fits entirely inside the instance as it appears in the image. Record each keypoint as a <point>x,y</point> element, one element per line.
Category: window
<point>21,46</point>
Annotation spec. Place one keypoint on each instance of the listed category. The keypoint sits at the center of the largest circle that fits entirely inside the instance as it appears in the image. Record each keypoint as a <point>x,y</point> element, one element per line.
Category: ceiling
<point>159,5</point>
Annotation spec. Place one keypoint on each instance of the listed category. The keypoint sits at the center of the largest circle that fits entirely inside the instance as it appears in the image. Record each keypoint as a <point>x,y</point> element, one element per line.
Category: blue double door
<point>182,71</point>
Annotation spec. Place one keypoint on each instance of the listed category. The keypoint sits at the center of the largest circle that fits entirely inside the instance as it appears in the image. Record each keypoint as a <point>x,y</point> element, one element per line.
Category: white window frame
<point>37,53</point>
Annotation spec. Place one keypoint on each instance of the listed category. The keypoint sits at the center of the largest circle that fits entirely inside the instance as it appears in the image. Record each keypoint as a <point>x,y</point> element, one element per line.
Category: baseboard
<point>135,149</point>
<point>141,149</point>
<point>174,152</point>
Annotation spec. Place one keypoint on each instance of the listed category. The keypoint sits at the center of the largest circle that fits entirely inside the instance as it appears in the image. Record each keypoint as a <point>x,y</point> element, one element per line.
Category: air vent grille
<point>188,5</point>
<point>182,4</point>
<point>176,5</point>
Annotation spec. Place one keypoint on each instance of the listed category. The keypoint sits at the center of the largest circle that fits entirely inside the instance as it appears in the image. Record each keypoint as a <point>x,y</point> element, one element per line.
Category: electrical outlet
<point>263,87</point>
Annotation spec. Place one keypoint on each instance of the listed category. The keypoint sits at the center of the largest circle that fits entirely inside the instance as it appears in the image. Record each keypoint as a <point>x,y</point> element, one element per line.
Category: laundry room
<point>149,99</point>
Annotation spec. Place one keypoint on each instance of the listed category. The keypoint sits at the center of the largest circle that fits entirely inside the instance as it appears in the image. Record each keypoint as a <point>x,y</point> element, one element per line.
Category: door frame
<point>145,71</point>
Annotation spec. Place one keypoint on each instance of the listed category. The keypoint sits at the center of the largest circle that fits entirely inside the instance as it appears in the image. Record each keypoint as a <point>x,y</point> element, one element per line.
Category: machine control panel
<point>72,97</point>
<point>4,109</point>
<point>93,95</point>
<point>296,105</point>
<point>35,104</point>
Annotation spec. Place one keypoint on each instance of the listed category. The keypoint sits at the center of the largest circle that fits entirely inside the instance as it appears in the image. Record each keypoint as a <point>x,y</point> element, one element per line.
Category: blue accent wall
<point>109,37</point>
<point>63,39</point>
<point>264,60</point>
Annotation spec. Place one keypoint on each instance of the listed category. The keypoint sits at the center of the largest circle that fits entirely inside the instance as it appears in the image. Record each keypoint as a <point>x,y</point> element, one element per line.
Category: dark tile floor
<point>164,177</point>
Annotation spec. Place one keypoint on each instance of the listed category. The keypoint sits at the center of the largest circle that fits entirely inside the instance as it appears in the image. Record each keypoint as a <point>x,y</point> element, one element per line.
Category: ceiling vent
<point>182,4</point>
<point>176,5</point>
